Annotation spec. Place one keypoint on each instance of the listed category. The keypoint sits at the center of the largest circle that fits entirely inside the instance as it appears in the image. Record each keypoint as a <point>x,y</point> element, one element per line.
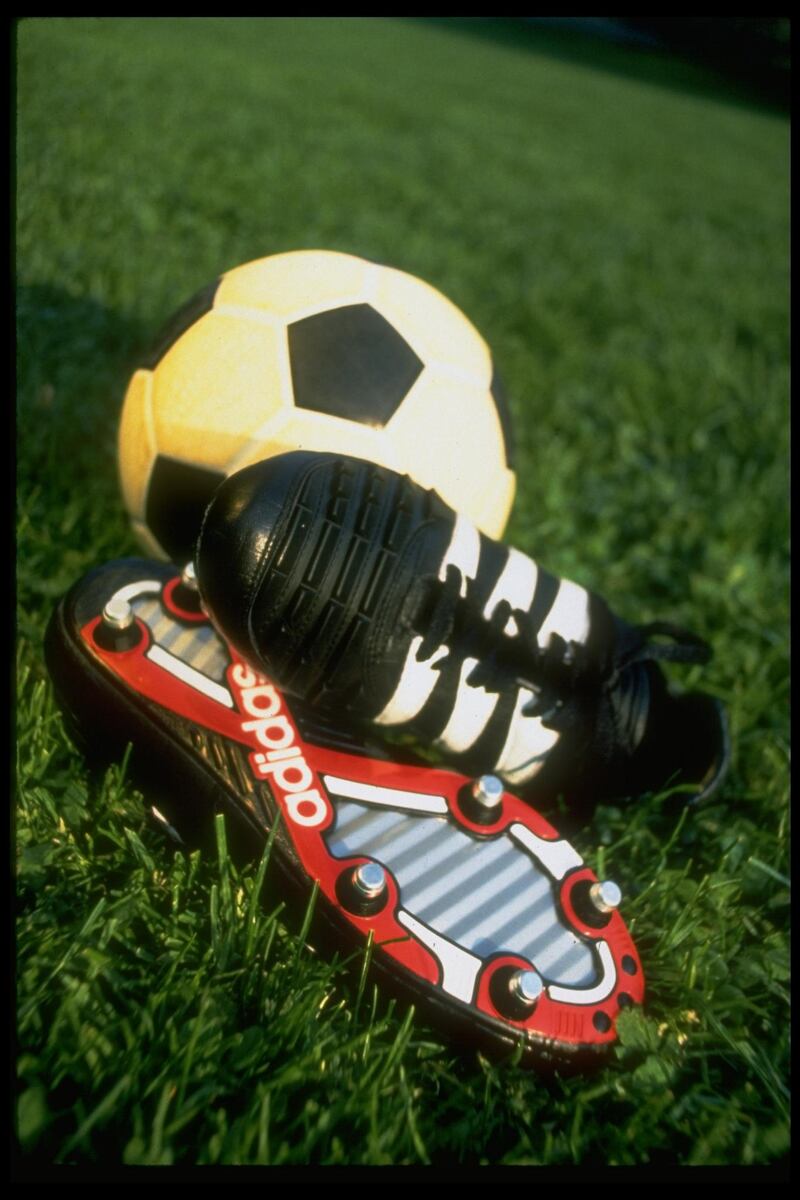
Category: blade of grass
<point>102,1110</point>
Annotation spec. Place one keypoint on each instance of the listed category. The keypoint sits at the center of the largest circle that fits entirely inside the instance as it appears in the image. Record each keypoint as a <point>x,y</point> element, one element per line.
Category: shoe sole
<point>464,906</point>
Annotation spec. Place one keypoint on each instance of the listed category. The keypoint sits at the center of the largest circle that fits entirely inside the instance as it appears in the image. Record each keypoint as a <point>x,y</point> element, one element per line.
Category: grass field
<point>623,246</point>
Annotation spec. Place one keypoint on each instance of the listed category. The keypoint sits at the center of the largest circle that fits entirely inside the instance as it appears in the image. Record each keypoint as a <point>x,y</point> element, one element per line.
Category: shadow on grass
<point>74,357</point>
<point>59,333</point>
<point>644,62</point>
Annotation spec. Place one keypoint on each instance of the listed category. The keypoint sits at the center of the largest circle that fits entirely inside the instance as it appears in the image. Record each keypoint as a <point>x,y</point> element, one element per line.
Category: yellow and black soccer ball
<point>312,350</point>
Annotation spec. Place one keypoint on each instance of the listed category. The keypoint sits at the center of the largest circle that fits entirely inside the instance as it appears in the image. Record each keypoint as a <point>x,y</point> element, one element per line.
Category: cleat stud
<point>526,987</point>
<point>487,790</point>
<point>117,630</point>
<point>363,890</point>
<point>482,800</point>
<point>187,593</point>
<point>369,880</point>
<point>595,903</point>
<point>605,896</point>
<point>515,991</point>
<point>189,578</point>
<point>117,615</point>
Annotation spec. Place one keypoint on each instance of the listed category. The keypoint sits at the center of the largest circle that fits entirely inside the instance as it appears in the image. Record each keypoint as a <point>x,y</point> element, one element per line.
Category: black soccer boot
<point>364,594</point>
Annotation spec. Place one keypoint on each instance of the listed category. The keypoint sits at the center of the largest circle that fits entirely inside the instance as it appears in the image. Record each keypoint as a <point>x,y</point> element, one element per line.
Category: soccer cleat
<point>365,595</point>
<point>477,910</point>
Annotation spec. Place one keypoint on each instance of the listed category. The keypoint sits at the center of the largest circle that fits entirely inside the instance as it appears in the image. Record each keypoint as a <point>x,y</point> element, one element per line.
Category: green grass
<point>623,245</point>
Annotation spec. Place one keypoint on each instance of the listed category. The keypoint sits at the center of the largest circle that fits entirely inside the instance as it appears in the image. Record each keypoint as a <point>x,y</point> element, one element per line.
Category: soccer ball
<point>312,350</point>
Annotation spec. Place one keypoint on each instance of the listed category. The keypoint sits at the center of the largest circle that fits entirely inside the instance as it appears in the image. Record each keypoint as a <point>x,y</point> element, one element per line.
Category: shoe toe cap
<point>239,528</point>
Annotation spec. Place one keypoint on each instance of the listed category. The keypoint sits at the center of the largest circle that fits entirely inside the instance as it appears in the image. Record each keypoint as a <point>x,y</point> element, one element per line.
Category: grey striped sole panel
<point>487,897</point>
<point>196,645</point>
